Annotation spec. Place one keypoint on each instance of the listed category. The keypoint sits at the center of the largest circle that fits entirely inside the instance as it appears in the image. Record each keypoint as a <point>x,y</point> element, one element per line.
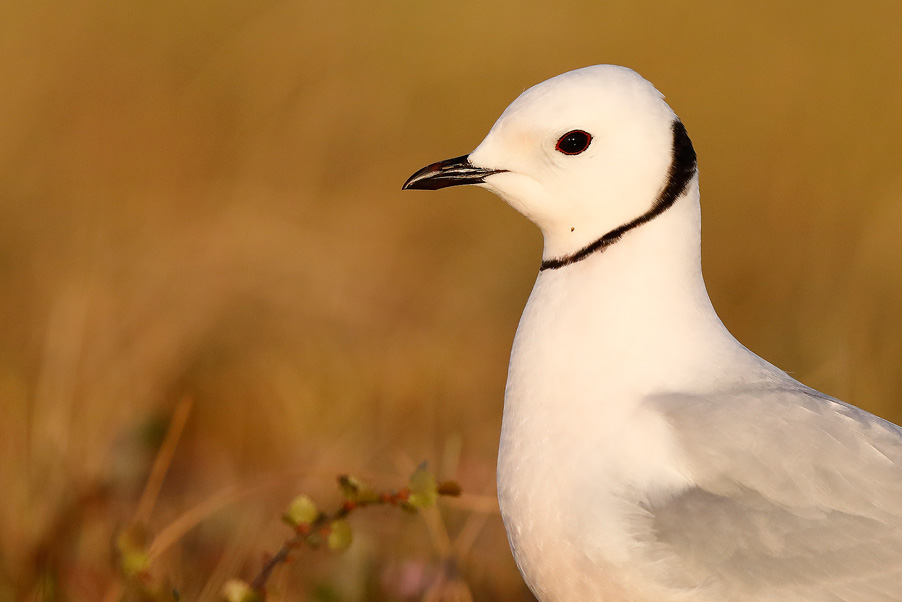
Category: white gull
<point>646,455</point>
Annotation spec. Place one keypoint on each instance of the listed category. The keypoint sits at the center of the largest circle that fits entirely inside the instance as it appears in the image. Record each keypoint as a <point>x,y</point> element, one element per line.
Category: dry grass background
<point>203,199</point>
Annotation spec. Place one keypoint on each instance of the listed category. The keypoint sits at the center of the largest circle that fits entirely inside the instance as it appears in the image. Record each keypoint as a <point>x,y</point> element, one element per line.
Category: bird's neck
<point>596,338</point>
<point>633,317</point>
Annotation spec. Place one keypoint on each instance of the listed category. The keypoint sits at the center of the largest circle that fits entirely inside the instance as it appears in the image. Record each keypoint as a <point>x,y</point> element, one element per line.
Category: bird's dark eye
<point>573,143</point>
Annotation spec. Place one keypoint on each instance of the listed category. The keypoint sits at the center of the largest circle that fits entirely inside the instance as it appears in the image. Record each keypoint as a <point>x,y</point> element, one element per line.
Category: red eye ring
<point>573,142</point>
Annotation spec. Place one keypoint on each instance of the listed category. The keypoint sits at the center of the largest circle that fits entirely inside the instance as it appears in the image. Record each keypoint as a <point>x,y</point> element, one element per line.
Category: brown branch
<point>281,556</point>
<point>163,460</point>
<point>315,534</point>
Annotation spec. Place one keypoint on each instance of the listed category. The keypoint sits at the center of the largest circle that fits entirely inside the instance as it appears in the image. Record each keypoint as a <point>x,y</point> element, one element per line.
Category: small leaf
<point>301,511</point>
<point>423,489</point>
<point>339,535</point>
<point>236,590</point>
<point>132,547</point>
<point>449,488</point>
<point>349,486</point>
<point>134,562</point>
<point>367,496</point>
<point>356,490</point>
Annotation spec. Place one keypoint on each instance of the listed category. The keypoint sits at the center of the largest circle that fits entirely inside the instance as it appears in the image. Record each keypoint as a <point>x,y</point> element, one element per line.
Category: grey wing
<point>797,496</point>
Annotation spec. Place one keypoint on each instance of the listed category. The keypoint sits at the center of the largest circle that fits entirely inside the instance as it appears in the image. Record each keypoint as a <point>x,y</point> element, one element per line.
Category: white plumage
<point>646,455</point>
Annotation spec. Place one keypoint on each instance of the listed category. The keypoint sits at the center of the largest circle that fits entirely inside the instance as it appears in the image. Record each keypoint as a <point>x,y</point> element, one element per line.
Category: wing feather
<point>796,496</point>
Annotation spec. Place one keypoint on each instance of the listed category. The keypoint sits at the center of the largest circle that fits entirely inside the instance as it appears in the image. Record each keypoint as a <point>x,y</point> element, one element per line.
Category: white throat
<point>644,294</point>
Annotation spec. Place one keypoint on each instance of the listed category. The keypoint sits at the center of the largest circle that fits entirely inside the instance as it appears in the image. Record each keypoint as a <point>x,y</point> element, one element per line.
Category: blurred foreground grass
<point>202,199</point>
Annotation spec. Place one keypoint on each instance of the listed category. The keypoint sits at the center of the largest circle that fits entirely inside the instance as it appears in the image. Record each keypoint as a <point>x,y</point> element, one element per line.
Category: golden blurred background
<point>201,201</point>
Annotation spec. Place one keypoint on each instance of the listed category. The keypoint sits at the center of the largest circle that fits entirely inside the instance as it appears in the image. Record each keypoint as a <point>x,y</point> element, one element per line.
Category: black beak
<point>450,172</point>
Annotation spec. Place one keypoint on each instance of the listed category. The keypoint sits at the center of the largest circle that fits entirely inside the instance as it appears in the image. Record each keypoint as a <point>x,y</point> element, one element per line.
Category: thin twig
<point>281,556</point>
<point>154,483</point>
<point>316,533</point>
<point>163,460</point>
